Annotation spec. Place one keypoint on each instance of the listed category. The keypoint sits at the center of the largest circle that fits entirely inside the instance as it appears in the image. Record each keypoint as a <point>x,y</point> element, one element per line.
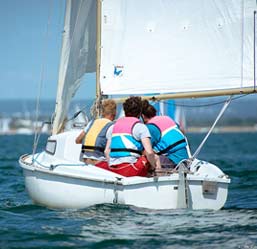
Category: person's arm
<point>107,150</point>
<point>149,152</point>
<point>80,137</point>
<point>141,132</point>
<point>108,143</point>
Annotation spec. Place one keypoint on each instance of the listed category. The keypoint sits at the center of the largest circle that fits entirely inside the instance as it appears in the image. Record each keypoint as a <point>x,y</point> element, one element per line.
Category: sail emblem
<point>118,71</point>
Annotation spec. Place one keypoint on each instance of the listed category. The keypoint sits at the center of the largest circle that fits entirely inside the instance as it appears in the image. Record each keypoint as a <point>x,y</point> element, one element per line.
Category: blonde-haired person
<point>94,135</point>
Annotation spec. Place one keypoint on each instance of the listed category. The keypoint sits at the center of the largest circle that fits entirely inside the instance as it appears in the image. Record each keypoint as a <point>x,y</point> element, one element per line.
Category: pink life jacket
<point>122,131</point>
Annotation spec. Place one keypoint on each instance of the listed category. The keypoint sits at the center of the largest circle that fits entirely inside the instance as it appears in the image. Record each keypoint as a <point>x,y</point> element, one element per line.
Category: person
<point>93,137</point>
<point>167,139</point>
<point>127,142</point>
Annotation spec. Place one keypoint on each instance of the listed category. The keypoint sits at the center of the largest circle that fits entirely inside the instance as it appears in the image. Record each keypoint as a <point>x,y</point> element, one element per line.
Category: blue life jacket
<point>172,139</point>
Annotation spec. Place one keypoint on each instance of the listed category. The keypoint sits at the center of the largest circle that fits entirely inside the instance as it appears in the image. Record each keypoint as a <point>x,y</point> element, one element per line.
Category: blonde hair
<point>109,107</point>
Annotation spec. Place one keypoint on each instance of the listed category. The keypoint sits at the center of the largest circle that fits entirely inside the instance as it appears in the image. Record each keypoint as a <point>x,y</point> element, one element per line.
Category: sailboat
<point>159,49</point>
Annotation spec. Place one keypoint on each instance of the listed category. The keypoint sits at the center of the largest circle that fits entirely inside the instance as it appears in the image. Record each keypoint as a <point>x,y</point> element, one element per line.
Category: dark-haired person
<point>127,142</point>
<point>93,137</point>
<point>166,137</point>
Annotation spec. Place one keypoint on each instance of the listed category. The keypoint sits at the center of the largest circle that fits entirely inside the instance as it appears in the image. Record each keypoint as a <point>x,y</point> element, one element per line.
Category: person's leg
<point>125,169</point>
<point>142,166</point>
<point>139,168</point>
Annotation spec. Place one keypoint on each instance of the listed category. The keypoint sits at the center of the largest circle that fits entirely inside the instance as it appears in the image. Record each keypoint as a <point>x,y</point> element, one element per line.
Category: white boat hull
<point>52,189</point>
<point>63,181</point>
<point>63,192</point>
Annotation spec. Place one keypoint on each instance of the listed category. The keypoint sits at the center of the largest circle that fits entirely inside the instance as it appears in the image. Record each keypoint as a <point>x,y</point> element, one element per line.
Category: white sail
<point>164,46</point>
<point>78,54</point>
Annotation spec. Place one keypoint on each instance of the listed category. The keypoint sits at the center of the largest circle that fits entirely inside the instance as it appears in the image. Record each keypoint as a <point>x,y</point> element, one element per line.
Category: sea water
<point>25,225</point>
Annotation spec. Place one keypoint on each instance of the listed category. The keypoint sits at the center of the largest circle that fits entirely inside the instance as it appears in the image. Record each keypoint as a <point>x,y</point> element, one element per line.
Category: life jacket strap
<point>96,148</point>
<point>171,146</point>
<point>126,150</point>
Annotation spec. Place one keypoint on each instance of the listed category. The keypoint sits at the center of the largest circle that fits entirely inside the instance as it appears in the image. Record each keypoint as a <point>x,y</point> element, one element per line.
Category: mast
<point>98,55</point>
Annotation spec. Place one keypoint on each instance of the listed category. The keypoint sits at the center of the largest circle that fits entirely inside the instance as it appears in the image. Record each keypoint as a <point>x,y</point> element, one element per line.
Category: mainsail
<point>78,54</point>
<point>163,46</point>
<point>147,47</point>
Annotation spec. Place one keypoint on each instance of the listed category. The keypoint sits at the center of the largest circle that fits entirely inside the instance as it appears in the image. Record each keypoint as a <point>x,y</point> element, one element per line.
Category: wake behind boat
<point>170,48</point>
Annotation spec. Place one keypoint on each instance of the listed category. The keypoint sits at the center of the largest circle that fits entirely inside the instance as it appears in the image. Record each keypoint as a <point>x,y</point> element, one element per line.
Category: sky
<point>30,49</point>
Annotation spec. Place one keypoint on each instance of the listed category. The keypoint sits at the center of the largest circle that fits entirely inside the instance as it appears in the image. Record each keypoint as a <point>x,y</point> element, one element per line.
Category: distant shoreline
<point>223,129</point>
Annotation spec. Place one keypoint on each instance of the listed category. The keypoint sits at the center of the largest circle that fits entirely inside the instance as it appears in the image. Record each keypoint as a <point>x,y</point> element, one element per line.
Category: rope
<point>93,107</point>
<point>37,135</point>
<point>96,108</point>
<point>254,51</point>
<point>211,129</point>
<point>242,43</point>
<point>207,105</point>
<point>34,160</point>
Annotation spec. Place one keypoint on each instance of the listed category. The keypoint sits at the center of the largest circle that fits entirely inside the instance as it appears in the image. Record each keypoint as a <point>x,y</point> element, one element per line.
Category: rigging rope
<point>37,133</point>
<point>211,129</point>
<point>242,43</point>
<point>206,105</point>
<point>254,51</point>
<point>92,109</point>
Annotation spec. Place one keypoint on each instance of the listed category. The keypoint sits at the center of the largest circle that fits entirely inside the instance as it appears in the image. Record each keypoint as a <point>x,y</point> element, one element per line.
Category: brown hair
<point>109,107</point>
<point>132,106</point>
<point>147,109</point>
